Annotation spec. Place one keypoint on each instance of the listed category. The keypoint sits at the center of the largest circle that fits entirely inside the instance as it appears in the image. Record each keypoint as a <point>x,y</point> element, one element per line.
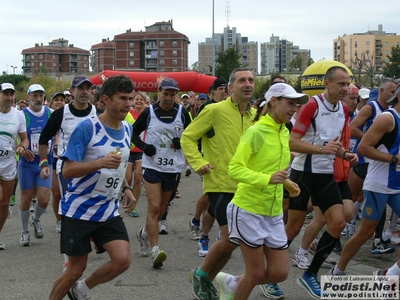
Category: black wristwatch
<point>394,159</point>
<point>127,187</point>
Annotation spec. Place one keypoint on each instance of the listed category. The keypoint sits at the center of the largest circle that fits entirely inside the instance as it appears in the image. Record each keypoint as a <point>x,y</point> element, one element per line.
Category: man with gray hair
<point>37,115</point>
<point>220,127</point>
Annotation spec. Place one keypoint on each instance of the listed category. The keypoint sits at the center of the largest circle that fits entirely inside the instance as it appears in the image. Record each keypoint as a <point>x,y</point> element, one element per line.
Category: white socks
<point>393,270</point>
<point>82,287</point>
<point>301,251</point>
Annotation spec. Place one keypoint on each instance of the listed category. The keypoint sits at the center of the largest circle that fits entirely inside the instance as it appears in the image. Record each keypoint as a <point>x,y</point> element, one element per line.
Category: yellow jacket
<point>220,127</point>
<point>263,150</point>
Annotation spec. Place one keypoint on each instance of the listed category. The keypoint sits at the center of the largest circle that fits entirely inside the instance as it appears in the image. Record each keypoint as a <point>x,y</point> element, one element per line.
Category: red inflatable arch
<point>147,81</point>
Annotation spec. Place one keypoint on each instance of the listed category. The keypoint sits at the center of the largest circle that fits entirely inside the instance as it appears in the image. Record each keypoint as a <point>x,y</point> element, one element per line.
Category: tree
<point>16,80</point>
<point>364,69</point>
<point>50,84</point>
<point>226,62</point>
<point>392,67</point>
<point>310,61</point>
<point>195,66</point>
<point>296,64</point>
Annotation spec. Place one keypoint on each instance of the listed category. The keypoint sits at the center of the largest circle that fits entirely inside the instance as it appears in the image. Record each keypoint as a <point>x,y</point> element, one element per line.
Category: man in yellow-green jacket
<point>220,127</point>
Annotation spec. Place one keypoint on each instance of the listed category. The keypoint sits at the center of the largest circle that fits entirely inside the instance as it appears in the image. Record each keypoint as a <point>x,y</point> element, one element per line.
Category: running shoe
<point>33,206</point>
<point>218,237</point>
<point>144,244</point>
<point>158,257</point>
<point>392,236</point>
<point>2,245</point>
<point>177,194</point>
<point>195,231</point>
<point>310,216</point>
<point>329,261</point>
<point>380,272</point>
<point>9,214</point>
<point>203,289</point>
<point>25,239</point>
<point>188,172</point>
<point>382,248</point>
<point>272,291</point>
<point>351,229</point>
<point>37,226</point>
<point>58,226</point>
<point>222,279</point>
<point>310,284</point>
<point>74,294</point>
<point>134,213</point>
<point>12,200</point>
<point>163,227</point>
<point>202,247</point>
<point>301,261</point>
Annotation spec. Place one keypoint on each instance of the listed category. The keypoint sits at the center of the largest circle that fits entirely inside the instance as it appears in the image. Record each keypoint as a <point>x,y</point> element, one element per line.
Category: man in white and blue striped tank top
<point>96,158</point>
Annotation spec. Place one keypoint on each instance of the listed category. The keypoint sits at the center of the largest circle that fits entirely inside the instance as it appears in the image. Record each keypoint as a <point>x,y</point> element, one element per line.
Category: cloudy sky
<point>309,24</point>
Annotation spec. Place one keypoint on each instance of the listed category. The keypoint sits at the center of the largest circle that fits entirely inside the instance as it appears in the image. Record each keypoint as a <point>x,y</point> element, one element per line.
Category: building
<point>57,57</point>
<point>373,45</point>
<point>157,49</point>
<point>103,56</point>
<point>222,41</point>
<point>277,56</point>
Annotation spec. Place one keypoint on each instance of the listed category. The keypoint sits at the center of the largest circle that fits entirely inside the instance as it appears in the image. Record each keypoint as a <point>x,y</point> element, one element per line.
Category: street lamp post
<point>213,42</point>
<point>14,69</point>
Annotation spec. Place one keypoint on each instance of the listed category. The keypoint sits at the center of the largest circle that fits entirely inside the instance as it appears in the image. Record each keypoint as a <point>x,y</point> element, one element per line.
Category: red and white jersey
<point>319,122</point>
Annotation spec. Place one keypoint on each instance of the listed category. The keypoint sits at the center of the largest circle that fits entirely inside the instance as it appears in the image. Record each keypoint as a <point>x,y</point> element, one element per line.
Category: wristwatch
<point>394,159</point>
<point>127,187</point>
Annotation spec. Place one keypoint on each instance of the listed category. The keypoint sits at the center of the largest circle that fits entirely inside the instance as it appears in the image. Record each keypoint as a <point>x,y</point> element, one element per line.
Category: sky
<point>310,25</point>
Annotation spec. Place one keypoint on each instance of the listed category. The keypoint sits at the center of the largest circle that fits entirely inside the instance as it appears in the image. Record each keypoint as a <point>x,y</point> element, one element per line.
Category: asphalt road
<point>28,272</point>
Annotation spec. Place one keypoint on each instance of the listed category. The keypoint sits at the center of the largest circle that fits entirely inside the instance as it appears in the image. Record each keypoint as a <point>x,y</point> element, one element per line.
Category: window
<point>54,57</point>
<point>161,52</point>
<point>174,43</point>
<point>355,44</point>
<point>131,53</point>
<point>367,43</point>
<point>54,65</point>
<point>32,64</point>
<point>386,43</point>
<point>85,58</point>
<point>387,52</point>
<point>85,65</point>
<point>174,53</point>
<point>355,53</point>
<point>174,61</point>
<point>32,56</point>
<point>40,64</point>
<point>161,43</point>
<point>40,56</point>
<point>162,62</point>
<point>367,51</point>
<point>131,63</point>
<point>131,44</point>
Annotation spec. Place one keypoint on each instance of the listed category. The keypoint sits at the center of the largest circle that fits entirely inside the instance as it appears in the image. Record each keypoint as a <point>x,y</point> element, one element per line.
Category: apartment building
<point>57,57</point>
<point>103,56</point>
<point>222,41</point>
<point>373,45</point>
<point>157,49</point>
<point>277,55</point>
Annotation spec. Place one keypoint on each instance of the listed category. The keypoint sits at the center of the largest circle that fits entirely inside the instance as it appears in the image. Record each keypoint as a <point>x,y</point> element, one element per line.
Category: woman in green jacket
<point>260,165</point>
